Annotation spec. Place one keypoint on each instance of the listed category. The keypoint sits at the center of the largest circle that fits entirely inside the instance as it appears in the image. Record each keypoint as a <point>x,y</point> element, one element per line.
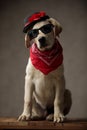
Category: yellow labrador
<point>45,94</point>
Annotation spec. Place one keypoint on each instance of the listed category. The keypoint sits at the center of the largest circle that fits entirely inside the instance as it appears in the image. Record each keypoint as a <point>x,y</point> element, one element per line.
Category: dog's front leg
<point>29,88</point>
<point>59,101</point>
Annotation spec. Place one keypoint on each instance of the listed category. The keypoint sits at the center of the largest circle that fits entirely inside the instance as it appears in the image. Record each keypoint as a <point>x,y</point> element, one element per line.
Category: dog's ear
<point>27,41</point>
<point>58,28</point>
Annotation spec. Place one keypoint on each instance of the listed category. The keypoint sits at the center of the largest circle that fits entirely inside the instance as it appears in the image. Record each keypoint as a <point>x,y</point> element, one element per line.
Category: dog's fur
<point>45,95</point>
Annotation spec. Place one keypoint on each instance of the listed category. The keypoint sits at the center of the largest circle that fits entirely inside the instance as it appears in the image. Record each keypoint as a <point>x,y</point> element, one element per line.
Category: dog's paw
<point>24,117</point>
<point>59,118</point>
<point>50,117</point>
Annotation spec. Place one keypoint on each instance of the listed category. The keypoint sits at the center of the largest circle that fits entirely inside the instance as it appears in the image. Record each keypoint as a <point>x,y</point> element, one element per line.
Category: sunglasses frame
<point>33,33</point>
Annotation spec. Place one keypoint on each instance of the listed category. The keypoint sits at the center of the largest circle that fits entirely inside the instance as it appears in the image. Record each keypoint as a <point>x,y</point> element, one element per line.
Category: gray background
<point>13,55</point>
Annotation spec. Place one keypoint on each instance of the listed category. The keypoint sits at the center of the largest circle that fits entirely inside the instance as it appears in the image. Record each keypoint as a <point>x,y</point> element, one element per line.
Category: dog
<point>45,94</point>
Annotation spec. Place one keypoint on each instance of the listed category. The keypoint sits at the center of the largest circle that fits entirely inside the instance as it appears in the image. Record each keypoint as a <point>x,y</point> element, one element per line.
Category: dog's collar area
<point>47,60</point>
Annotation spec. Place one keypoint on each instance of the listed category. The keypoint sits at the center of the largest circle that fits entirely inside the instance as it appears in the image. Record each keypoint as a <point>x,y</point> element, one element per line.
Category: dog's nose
<point>42,41</point>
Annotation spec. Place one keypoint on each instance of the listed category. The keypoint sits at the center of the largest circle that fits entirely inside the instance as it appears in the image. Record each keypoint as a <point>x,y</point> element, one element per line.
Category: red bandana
<point>48,60</point>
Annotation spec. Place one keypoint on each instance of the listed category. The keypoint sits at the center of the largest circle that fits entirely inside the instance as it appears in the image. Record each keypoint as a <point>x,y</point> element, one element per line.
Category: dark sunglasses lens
<point>33,33</point>
<point>47,28</point>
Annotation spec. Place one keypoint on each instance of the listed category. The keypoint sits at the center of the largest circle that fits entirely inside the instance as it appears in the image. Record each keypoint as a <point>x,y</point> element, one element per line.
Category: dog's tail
<point>67,101</point>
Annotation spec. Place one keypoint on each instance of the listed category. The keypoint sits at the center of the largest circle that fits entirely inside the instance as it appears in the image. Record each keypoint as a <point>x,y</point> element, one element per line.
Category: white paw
<point>59,118</point>
<point>50,117</point>
<point>24,117</point>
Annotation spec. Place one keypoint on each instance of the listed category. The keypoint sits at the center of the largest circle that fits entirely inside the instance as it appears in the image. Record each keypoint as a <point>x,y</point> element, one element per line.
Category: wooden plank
<point>70,124</point>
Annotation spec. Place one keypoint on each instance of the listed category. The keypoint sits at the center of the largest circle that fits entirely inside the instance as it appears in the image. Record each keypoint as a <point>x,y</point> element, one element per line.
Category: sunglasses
<point>45,29</point>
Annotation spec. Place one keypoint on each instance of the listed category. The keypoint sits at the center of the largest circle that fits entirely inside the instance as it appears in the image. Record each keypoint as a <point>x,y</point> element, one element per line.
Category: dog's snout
<point>42,41</point>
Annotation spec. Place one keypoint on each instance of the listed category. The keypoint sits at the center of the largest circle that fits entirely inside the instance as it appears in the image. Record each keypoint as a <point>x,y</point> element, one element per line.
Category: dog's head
<point>43,34</point>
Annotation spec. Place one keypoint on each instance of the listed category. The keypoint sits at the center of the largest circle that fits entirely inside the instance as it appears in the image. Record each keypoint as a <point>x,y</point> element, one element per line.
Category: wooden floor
<point>74,124</point>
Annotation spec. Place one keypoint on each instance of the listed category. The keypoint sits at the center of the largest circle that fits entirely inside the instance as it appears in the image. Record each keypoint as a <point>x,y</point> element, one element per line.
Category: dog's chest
<point>44,90</point>
<point>44,85</point>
